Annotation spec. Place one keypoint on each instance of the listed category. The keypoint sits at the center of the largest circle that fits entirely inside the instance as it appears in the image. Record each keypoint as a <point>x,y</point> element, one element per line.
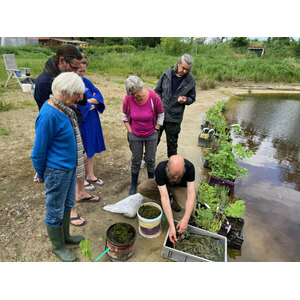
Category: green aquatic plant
<point>120,233</point>
<point>236,209</point>
<point>207,194</point>
<point>208,220</point>
<point>200,245</point>
<point>149,211</point>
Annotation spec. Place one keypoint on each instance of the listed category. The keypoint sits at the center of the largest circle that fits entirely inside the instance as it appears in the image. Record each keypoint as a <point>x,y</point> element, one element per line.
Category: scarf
<point>71,114</point>
<point>51,68</point>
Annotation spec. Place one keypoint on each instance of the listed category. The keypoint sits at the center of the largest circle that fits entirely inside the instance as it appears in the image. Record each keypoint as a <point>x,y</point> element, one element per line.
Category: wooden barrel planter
<point>120,238</point>
<point>149,215</point>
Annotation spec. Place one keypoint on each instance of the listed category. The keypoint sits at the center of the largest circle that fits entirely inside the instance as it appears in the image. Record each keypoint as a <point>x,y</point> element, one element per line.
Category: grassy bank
<point>216,62</point>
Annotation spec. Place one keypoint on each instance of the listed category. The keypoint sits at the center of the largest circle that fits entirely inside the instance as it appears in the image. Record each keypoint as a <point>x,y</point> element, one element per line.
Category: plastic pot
<point>235,236</point>
<point>150,228</point>
<point>213,180</point>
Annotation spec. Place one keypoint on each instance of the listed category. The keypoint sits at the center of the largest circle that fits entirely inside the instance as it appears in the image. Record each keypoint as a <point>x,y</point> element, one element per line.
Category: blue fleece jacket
<point>55,144</point>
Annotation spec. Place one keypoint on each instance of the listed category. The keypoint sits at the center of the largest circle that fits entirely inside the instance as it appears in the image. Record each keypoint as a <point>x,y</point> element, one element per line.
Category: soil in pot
<point>236,223</point>
<point>149,212</point>
<point>120,233</point>
<point>203,246</point>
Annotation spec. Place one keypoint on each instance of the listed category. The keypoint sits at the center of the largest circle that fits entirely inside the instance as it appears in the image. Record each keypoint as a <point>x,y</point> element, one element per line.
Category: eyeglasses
<point>73,67</point>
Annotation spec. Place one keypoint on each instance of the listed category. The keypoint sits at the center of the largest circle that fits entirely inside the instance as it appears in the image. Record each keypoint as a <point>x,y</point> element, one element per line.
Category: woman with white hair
<point>143,114</point>
<point>57,157</point>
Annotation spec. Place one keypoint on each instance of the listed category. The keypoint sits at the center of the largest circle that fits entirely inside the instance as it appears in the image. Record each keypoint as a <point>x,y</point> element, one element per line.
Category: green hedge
<point>93,50</point>
<point>8,50</point>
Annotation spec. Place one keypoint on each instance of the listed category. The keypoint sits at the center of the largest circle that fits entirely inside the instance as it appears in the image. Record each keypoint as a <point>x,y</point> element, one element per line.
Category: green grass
<point>3,131</point>
<point>215,62</point>
<point>291,96</point>
<point>119,81</point>
<point>5,106</point>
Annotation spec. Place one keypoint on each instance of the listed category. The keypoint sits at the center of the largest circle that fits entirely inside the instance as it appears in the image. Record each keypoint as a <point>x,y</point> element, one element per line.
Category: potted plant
<point>209,204</point>
<point>233,225</point>
<point>149,216</point>
<point>225,168</point>
<point>215,214</point>
<point>120,238</point>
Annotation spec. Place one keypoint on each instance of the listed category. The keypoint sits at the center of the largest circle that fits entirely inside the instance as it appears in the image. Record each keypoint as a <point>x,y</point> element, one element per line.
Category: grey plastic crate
<point>177,255</point>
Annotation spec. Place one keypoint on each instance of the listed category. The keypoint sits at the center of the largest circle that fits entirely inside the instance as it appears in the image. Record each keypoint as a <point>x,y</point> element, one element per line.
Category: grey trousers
<point>136,145</point>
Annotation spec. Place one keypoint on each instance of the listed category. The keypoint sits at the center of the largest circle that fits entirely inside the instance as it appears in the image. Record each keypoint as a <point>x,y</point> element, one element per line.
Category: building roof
<point>68,41</point>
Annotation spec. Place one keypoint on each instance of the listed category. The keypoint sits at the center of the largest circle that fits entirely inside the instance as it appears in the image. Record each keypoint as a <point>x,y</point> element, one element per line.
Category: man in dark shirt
<point>67,59</point>
<point>175,175</point>
<point>176,88</point>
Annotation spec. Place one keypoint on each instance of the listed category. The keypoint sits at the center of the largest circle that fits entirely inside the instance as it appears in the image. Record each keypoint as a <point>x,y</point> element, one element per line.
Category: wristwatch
<point>156,129</point>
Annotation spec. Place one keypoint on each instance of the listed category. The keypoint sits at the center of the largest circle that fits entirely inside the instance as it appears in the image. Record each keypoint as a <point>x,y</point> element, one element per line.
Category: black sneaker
<point>174,204</point>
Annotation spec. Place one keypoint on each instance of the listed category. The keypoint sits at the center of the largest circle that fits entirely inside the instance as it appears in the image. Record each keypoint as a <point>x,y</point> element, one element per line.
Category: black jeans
<point>172,133</point>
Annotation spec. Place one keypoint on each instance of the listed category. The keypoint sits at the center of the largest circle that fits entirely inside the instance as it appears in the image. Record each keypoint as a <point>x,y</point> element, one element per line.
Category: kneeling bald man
<point>175,176</point>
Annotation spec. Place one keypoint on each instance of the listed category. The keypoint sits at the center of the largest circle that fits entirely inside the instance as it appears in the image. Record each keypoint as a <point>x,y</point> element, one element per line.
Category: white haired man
<point>176,88</point>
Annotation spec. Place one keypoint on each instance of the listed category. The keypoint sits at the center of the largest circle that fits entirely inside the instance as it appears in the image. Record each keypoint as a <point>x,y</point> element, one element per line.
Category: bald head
<point>176,166</point>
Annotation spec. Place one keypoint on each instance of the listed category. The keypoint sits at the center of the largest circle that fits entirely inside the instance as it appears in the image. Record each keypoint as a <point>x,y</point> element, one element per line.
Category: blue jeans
<point>60,193</point>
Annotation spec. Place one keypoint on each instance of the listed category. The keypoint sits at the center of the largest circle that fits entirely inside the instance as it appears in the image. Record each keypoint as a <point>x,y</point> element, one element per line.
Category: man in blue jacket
<point>176,88</point>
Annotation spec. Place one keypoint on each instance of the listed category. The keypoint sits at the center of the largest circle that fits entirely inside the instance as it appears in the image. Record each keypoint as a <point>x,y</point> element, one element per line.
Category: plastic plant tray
<point>180,256</point>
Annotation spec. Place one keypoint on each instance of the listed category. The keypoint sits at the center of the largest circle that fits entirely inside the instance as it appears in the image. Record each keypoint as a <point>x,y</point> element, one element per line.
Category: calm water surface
<point>272,189</point>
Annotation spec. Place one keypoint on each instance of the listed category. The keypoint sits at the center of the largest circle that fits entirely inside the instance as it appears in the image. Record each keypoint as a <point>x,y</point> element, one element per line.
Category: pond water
<point>272,189</point>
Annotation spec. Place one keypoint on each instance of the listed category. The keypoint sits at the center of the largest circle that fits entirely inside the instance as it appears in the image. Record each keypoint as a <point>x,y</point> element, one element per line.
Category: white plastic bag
<point>127,206</point>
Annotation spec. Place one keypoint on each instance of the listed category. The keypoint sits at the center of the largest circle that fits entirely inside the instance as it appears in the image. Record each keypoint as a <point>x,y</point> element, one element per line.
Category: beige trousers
<point>149,189</point>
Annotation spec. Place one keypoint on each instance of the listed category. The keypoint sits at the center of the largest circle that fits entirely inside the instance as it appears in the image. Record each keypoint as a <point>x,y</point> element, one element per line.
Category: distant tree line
<point>111,41</point>
<point>278,46</point>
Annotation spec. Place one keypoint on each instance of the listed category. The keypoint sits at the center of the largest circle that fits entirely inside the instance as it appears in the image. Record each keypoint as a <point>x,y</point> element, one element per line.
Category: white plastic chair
<point>13,71</point>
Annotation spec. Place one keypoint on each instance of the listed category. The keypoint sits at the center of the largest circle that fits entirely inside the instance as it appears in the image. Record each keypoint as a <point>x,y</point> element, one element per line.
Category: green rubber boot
<point>69,239</point>
<point>59,248</point>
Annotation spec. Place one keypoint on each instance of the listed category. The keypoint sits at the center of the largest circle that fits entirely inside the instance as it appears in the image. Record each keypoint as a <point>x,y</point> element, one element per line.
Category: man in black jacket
<point>176,88</point>
<point>67,59</point>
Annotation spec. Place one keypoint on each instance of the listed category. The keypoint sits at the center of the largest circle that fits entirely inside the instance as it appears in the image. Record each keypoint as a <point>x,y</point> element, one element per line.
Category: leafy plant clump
<point>5,106</point>
<point>3,131</point>
<point>211,216</point>
<point>85,246</point>
<point>120,233</point>
<point>236,209</point>
<point>207,220</point>
<point>224,161</point>
<point>149,211</point>
<point>203,246</point>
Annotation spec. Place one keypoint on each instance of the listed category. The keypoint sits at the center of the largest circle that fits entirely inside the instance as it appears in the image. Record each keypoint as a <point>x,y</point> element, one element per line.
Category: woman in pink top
<point>143,114</point>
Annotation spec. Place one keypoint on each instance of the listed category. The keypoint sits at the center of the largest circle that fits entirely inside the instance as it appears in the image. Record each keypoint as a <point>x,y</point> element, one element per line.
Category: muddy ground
<point>23,234</point>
